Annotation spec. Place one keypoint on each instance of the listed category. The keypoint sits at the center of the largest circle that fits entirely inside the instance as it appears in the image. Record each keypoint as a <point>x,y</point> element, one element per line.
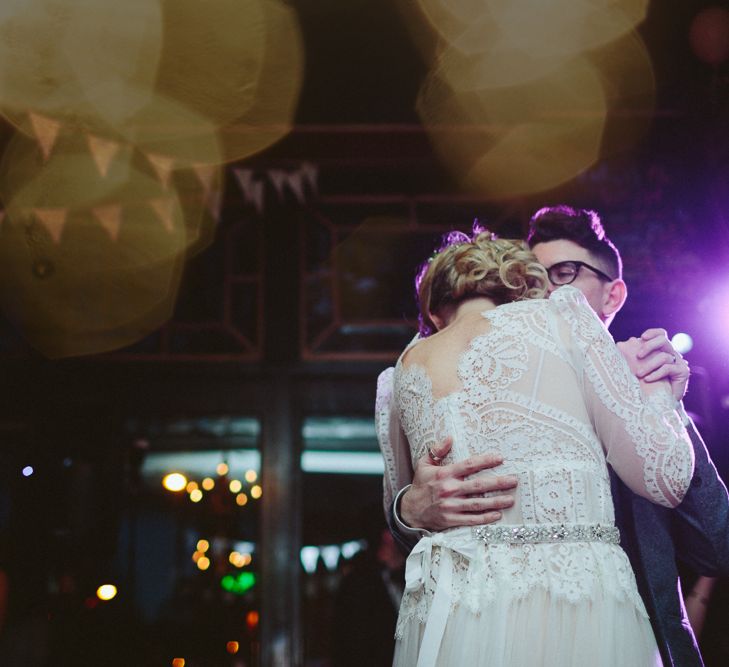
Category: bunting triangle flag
<point>163,207</point>
<point>296,183</point>
<point>252,189</point>
<point>103,152</point>
<point>46,132</point>
<point>310,173</point>
<point>278,178</point>
<point>206,175</point>
<point>215,203</point>
<point>53,220</point>
<point>110,219</point>
<point>163,165</point>
<point>245,178</point>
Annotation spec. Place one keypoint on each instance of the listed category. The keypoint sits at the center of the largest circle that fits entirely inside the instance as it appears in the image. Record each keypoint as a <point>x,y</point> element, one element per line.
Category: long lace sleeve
<point>642,435</point>
<point>392,440</point>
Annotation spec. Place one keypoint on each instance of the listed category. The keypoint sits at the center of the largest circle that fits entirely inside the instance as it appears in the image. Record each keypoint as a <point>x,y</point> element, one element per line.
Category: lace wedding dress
<point>542,383</point>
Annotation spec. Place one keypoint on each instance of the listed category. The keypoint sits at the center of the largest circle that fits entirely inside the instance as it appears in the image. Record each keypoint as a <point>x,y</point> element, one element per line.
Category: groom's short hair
<point>581,226</point>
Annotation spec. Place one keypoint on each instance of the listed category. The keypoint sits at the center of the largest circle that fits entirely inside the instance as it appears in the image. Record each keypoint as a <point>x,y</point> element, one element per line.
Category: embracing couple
<point>544,479</point>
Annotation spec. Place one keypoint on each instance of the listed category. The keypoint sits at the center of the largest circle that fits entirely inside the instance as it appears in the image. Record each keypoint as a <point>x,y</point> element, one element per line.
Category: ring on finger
<point>434,457</point>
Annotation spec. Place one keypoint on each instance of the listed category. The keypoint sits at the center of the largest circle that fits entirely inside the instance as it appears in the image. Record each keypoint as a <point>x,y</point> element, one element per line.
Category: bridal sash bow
<point>417,573</point>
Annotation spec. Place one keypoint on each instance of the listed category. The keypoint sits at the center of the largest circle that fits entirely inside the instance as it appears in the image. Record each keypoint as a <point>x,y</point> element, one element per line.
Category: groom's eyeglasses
<point>564,273</point>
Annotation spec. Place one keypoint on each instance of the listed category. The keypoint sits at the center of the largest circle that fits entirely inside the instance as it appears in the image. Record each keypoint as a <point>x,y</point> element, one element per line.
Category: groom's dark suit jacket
<point>654,537</point>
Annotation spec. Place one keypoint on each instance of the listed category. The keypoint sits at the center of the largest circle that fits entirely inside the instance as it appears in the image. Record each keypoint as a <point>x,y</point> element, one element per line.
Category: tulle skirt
<point>539,631</point>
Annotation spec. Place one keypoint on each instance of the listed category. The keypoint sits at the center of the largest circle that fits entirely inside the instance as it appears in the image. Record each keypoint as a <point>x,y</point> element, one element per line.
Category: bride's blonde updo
<point>480,265</point>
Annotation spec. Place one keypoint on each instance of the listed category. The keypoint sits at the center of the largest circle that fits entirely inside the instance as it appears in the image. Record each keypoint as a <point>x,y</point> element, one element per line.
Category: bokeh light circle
<point>682,343</point>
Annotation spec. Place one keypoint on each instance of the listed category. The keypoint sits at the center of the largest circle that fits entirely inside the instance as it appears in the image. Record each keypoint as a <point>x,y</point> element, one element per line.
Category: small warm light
<point>197,556</point>
<point>239,559</point>
<point>175,481</point>
<point>235,486</point>
<point>28,471</point>
<point>203,563</point>
<point>241,499</point>
<point>106,592</point>
<point>256,492</point>
<point>232,647</point>
<point>178,662</point>
<point>208,483</point>
<point>222,469</point>
<point>252,619</point>
<point>191,486</point>
<point>203,545</point>
<point>196,496</point>
<point>251,476</point>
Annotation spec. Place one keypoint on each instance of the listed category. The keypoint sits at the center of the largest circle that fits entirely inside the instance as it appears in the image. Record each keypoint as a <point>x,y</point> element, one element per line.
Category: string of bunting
<point>252,183</point>
<point>110,217</point>
<point>103,151</point>
<point>296,182</point>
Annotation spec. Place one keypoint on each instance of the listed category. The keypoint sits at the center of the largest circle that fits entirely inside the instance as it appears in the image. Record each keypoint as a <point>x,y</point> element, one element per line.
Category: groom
<point>572,246</point>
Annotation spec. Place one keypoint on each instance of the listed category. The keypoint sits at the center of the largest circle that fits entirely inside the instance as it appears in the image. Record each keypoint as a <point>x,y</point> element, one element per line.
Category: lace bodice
<point>542,383</point>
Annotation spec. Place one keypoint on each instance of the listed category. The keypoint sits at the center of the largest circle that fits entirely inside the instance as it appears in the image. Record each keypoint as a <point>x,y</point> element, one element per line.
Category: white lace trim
<point>652,423</point>
<point>383,402</point>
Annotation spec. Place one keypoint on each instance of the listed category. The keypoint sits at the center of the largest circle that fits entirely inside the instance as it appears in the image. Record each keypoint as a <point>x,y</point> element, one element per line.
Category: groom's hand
<point>442,496</point>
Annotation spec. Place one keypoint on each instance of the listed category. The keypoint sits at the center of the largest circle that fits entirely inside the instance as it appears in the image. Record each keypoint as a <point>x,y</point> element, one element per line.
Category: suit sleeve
<point>701,522</point>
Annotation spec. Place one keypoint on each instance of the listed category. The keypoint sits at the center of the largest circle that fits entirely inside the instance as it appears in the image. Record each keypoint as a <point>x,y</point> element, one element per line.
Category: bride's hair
<point>479,265</point>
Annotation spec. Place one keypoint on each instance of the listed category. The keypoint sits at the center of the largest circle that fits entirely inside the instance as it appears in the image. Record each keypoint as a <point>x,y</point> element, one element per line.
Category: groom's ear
<point>614,297</point>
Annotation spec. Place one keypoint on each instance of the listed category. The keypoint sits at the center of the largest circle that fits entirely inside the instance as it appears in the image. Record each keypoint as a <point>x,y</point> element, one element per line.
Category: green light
<point>240,584</point>
<point>246,580</point>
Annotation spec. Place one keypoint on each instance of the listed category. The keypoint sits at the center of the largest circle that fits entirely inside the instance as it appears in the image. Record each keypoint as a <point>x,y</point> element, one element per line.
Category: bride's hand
<point>652,358</point>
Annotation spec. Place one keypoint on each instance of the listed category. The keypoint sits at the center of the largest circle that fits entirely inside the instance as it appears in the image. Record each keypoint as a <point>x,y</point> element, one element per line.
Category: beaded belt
<point>534,534</point>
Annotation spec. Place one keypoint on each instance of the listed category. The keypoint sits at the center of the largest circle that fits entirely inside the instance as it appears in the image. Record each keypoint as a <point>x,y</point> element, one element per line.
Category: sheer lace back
<point>541,383</point>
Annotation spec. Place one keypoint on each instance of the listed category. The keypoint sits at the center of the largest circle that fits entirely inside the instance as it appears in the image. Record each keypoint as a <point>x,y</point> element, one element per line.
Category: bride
<point>540,382</point>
